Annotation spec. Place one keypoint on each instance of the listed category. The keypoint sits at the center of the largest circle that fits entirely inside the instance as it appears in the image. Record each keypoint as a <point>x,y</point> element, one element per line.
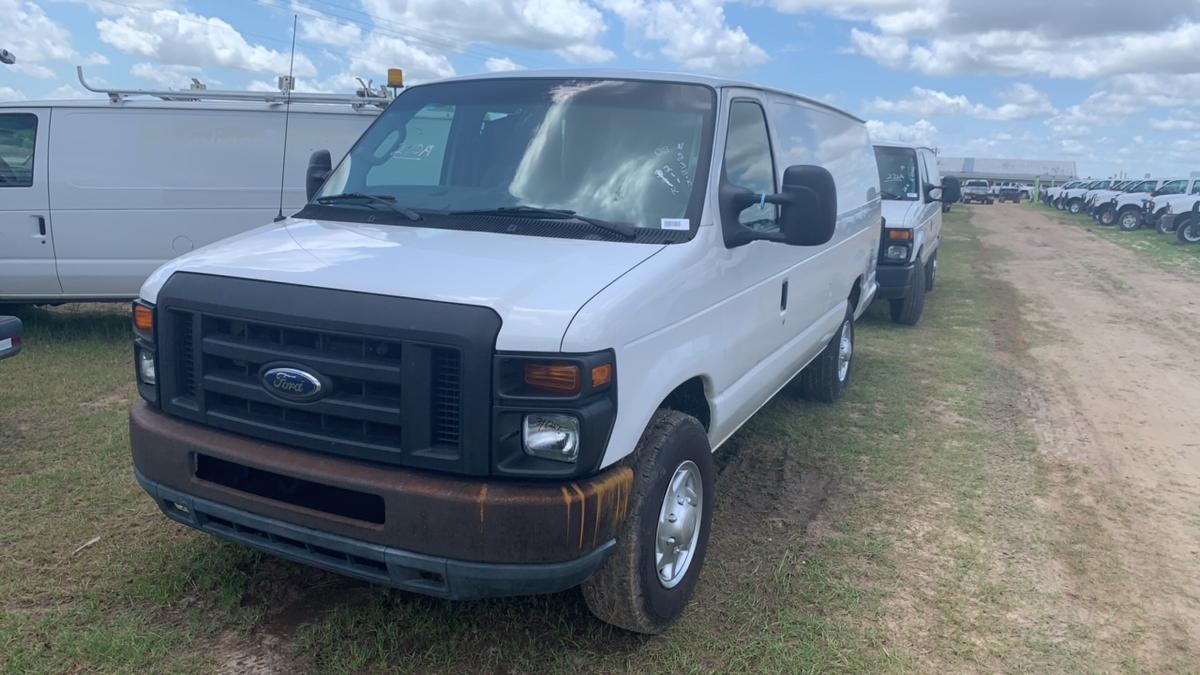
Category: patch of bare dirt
<point>1113,395</point>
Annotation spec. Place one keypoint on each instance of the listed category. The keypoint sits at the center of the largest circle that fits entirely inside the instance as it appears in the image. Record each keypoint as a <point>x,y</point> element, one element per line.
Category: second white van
<point>95,194</point>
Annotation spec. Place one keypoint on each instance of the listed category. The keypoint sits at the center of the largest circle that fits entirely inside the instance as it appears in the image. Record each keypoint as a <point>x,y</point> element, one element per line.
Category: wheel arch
<point>691,398</point>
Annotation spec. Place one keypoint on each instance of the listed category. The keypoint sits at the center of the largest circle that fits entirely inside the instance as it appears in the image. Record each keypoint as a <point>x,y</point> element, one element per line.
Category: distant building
<point>1048,172</point>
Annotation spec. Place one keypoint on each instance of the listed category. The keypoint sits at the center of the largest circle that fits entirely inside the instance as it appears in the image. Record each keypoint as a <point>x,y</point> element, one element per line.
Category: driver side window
<point>748,163</point>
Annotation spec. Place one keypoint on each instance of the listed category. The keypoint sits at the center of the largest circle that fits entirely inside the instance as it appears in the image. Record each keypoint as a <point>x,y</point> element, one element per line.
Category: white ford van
<point>95,194</point>
<point>495,351</point>
<point>913,193</point>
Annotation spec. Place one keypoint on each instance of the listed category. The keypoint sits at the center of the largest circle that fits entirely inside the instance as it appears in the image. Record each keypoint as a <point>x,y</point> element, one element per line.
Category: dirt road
<point>1111,364</point>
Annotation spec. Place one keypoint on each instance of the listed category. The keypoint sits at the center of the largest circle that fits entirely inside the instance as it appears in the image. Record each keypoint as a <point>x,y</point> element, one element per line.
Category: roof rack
<point>365,96</point>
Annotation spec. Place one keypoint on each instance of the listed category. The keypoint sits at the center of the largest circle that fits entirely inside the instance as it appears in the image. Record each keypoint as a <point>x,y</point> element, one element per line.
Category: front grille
<point>362,412</point>
<point>398,376</point>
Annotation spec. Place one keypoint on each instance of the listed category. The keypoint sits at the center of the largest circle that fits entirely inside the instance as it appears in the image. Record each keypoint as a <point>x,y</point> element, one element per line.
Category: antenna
<point>287,114</point>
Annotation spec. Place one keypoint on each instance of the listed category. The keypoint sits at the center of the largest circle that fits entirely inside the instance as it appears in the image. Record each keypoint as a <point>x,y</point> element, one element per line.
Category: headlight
<point>551,436</point>
<point>896,253</point>
<point>145,366</point>
<point>552,413</point>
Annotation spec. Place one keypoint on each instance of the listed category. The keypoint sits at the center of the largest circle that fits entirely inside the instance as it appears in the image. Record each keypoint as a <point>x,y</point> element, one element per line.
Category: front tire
<point>1107,217</point>
<point>1188,232</point>
<point>646,583</point>
<point>828,376</point>
<point>1129,220</point>
<point>931,273</point>
<point>1162,228</point>
<point>908,310</point>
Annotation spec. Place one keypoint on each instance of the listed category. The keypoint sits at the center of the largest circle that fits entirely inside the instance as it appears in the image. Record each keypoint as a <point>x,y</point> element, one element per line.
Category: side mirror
<point>951,191</point>
<point>319,166</point>
<point>807,215</point>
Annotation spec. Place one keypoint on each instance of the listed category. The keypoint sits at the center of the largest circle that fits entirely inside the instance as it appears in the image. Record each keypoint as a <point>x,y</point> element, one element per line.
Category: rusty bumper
<point>430,533</point>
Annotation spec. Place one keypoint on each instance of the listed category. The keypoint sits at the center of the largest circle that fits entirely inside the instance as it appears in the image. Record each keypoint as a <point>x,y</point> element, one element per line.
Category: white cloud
<point>323,29</point>
<point>1019,101</point>
<point>186,39</point>
<point>168,76</point>
<point>1020,37</point>
<point>922,132</point>
<point>33,37</point>
<point>68,91</point>
<point>693,34</point>
<point>10,94</point>
<point>571,28</point>
<point>1174,124</point>
<point>494,65</point>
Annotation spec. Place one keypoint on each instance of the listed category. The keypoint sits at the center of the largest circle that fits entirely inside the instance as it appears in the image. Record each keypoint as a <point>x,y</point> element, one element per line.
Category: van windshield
<point>627,152</point>
<point>897,173</point>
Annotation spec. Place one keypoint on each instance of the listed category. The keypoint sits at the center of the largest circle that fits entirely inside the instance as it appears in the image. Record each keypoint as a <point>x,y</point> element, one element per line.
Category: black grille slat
<point>359,408</point>
<point>259,352</point>
<point>447,388</point>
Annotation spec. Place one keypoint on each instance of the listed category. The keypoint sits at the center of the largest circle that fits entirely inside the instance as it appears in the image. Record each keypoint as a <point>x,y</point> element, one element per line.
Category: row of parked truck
<point>491,350</point>
<point>1167,205</point>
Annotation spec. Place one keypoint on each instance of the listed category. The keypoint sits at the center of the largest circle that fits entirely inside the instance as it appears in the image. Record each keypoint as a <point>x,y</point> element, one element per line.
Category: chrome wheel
<point>845,350</point>
<point>679,524</point>
<point>1129,221</point>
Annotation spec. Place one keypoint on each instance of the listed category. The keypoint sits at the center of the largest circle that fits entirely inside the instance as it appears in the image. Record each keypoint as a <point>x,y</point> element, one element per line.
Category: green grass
<point>915,481</point>
<point>1163,249</point>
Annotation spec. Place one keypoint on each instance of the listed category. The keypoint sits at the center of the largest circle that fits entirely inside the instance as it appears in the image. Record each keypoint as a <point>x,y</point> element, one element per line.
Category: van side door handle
<point>783,296</point>
<point>41,221</point>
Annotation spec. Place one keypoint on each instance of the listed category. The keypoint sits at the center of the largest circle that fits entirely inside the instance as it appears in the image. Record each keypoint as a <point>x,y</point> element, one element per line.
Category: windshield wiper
<point>623,229</point>
<point>887,195</point>
<point>384,200</point>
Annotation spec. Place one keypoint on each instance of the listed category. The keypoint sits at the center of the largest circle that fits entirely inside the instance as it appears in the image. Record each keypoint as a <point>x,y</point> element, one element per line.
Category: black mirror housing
<point>807,215</point>
<point>809,206</point>
<point>320,164</point>
<point>951,190</point>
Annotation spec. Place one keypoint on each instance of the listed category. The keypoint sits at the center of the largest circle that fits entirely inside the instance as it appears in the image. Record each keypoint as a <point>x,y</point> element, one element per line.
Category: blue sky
<point>1111,85</point>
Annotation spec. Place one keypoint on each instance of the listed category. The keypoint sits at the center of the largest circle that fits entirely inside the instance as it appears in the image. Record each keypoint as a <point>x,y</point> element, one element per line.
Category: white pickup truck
<point>1172,209</point>
<point>1050,195</point>
<point>1072,201</point>
<point>977,191</point>
<point>494,352</point>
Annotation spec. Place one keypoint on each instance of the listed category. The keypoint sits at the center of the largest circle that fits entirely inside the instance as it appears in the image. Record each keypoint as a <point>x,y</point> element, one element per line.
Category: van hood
<point>535,284</point>
<point>898,213</point>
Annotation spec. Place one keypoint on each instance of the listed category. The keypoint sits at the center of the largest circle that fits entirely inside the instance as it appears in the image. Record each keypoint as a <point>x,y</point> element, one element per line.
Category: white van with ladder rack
<point>97,193</point>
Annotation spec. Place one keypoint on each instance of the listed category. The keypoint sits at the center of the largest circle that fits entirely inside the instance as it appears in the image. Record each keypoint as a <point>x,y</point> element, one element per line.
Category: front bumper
<point>433,534</point>
<point>895,281</point>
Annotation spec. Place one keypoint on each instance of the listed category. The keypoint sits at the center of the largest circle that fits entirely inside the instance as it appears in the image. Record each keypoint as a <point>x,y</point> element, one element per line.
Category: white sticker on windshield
<point>675,224</point>
<point>912,195</point>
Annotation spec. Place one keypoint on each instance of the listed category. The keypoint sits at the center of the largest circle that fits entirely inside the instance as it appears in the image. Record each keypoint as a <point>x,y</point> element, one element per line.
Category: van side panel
<point>692,309</point>
<point>133,188</point>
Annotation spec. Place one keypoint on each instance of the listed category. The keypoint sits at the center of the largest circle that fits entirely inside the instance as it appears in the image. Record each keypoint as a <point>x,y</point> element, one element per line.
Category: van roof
<point>649,76</point>
<point>644,75</point>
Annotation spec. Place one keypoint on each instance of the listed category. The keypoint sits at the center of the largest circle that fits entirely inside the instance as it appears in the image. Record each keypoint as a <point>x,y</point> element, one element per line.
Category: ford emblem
<point>292,384</point>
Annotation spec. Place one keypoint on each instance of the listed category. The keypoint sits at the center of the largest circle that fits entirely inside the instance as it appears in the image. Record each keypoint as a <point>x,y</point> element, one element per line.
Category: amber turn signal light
<point>143,319</point>
<point>899,235</point>
<point>555,378</point>
<point>601,375</point>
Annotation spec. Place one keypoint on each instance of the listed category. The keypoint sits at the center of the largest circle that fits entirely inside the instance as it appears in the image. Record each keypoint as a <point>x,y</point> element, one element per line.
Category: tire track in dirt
<point>1114,392</point>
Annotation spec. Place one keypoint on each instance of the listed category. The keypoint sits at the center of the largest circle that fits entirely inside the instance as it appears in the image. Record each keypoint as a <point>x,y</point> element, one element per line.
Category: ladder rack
<point>366,96</point>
